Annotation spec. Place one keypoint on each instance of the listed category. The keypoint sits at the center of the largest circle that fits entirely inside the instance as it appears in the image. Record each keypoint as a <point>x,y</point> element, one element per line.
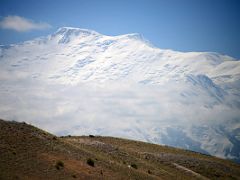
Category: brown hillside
<point>27,152</point>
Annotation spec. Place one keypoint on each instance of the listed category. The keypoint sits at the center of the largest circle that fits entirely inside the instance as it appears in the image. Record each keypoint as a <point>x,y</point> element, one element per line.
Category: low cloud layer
<point>22,24</point>
<point>117,110</point>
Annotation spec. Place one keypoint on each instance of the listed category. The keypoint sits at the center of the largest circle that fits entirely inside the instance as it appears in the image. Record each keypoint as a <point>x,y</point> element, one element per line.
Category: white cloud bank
<point>22,24</point>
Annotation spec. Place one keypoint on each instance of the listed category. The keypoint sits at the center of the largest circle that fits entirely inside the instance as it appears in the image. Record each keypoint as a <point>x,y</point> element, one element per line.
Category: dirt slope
<point>27,152</point>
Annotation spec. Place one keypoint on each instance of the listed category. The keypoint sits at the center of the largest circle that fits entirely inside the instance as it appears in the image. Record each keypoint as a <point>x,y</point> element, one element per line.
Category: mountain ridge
<point>150,93</point>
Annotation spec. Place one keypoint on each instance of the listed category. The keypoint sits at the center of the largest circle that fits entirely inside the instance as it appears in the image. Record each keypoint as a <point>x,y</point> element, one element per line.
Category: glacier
<point>78,81</point>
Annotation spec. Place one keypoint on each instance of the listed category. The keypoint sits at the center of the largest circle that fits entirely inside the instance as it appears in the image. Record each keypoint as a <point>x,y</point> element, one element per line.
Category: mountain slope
<point>71,55</point>
<point>123,86</point>
<point>30,153</point>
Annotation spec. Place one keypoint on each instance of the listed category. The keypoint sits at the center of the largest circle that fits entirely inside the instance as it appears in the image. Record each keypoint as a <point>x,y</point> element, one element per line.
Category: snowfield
<point>77,81</point>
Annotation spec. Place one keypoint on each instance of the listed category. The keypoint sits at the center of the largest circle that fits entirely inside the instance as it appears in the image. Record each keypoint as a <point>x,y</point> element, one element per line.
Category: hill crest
<point>30,153</point>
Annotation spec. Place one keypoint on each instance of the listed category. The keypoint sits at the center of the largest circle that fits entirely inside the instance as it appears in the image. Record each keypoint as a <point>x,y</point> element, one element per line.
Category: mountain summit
<point>66,33</point>
<point>78,81</point>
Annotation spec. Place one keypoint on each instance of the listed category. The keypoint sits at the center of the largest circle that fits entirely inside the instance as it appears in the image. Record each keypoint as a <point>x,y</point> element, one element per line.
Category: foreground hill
<point>30,153</point>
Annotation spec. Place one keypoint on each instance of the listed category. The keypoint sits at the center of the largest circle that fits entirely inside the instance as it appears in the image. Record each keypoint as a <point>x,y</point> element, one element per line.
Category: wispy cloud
<point>22,24</point>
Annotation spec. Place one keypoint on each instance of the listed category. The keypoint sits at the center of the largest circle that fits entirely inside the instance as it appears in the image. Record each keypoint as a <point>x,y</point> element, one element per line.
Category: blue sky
<point>183,25</point>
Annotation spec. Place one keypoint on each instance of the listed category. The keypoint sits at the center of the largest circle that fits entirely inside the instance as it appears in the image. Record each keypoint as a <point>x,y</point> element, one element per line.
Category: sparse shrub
<point>59,165</point>
<point>134,166</point>
<point>149,172</point>
<point>74,176</point>
<point>91,136</point>
<point>54,138</point>
<point>90,162</point>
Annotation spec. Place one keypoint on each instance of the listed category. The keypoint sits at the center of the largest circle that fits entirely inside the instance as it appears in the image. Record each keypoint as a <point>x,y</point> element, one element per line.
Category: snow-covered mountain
<point>77,81</point>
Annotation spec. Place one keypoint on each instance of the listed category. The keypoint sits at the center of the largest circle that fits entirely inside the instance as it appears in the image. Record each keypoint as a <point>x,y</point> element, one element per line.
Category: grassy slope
<point>27,152</point>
